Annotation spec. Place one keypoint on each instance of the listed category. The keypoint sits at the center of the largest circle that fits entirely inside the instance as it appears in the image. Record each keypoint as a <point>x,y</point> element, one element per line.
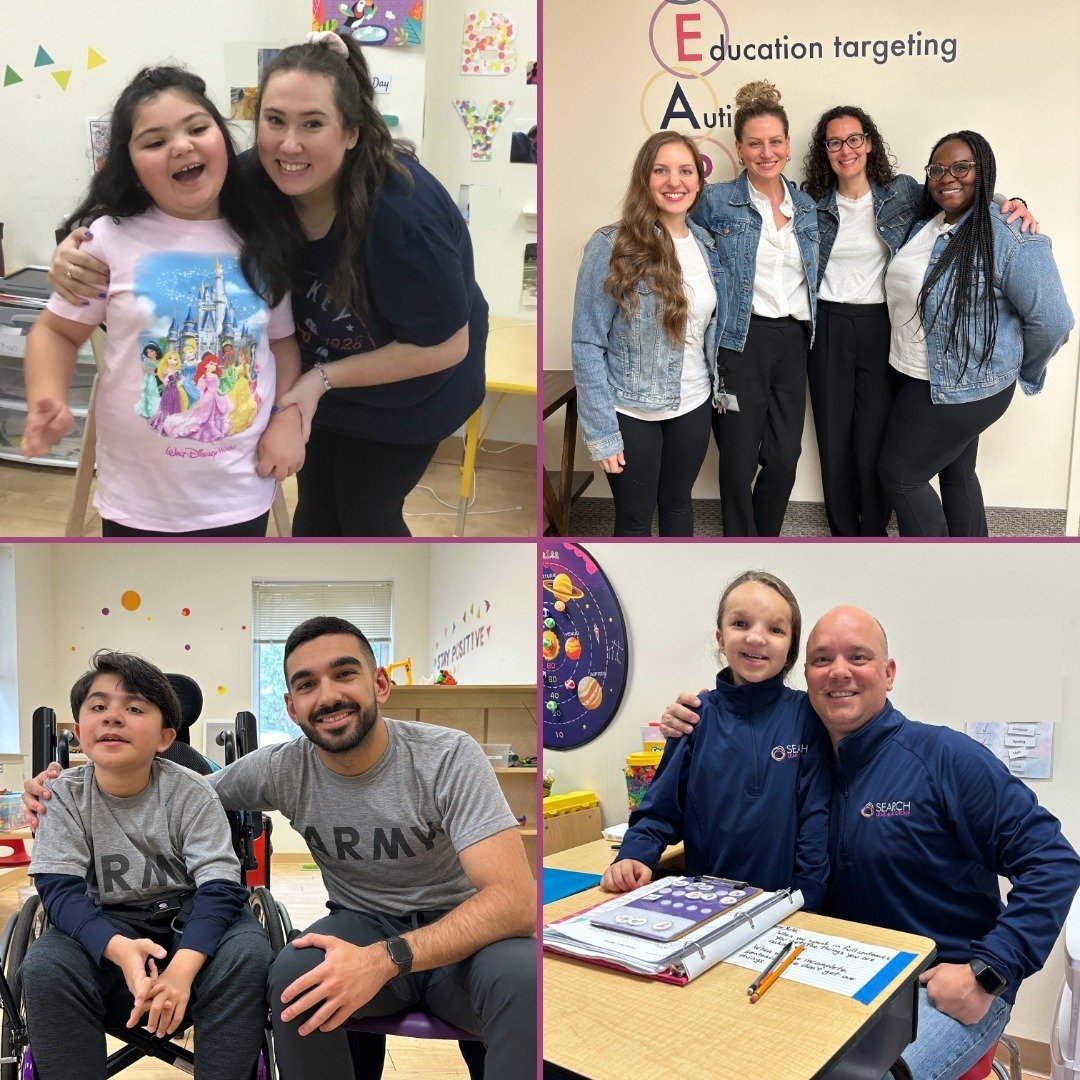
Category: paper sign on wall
<point>1025,748</point>
<point>482,128</point>
<point>486,47</point>
<point>387,22</point>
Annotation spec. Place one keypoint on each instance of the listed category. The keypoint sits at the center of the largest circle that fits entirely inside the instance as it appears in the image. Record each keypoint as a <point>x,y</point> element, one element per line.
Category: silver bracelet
<point>322,375</point>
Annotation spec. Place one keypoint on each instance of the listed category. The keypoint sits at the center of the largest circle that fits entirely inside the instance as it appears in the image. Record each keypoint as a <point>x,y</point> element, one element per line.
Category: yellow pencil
<point>774,975</point>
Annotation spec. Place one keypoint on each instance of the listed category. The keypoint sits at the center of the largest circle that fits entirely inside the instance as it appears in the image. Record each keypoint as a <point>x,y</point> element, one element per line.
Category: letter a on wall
<point>482,128</point>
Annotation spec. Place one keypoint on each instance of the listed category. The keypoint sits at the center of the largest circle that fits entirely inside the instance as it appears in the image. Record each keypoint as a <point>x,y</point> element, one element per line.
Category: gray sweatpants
<point>70,1001</point>
<point>491,993</point>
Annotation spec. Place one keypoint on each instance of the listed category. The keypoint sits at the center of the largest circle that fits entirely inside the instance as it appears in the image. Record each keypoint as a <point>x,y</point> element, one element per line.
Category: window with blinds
<point>278,607</point>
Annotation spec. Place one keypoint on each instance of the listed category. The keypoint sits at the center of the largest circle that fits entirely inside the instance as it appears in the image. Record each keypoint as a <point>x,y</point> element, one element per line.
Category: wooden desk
<point>561,492</point>
<point>510,363</point>
<point>606,1025</point>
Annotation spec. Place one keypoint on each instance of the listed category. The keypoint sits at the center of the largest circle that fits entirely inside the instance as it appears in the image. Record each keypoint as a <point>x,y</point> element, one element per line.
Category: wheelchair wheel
<point>265,908</point>
<point>29,924</point>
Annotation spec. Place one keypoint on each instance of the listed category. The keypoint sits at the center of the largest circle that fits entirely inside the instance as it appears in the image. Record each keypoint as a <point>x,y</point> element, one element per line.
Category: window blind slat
<point>280,606</point>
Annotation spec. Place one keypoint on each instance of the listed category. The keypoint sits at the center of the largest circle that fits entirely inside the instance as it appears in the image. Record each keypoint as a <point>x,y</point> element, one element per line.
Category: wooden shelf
<point>516,770</point>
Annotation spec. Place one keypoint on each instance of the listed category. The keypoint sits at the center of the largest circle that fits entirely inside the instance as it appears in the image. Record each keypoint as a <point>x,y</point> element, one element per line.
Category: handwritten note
<point>839,965</point>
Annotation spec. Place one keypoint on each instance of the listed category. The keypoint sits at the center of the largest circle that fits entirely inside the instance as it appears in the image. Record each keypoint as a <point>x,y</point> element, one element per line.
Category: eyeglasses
<point>854,141</point>
<point>957,169</point>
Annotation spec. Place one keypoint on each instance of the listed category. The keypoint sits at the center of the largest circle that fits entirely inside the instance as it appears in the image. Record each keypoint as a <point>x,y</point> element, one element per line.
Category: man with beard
<point>432,902</point>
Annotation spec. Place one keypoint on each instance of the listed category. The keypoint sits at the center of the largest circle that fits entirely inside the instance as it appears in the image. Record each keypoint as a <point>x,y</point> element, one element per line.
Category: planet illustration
<point>559,605</point>
<point>569,684</point>
<point>590,693</point>
<point>551,645</point>
<point>572,648</point>
<point>562,588</point>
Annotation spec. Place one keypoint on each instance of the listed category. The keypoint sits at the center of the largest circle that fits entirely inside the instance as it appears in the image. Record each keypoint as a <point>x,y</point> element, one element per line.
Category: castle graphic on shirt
<point>198,357</point>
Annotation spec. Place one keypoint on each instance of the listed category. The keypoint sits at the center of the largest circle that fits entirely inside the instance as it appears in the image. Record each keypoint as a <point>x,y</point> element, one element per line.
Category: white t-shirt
<point>177,431</point>
<point>855,273</point>
<point>696,384</point>
<point>780,286</point>
<point>903,282</point>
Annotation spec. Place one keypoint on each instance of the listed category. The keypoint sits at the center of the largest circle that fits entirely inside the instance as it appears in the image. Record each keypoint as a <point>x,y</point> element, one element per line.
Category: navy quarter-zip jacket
<point>923,821</point>
<point>747,792</point>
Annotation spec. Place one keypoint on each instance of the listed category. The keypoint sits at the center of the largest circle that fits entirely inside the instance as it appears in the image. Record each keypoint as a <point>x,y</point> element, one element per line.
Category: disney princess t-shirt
<point>188,381</point>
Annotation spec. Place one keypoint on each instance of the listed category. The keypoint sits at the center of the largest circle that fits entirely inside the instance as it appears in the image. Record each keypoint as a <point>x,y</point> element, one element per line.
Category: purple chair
<point>368,1048</point>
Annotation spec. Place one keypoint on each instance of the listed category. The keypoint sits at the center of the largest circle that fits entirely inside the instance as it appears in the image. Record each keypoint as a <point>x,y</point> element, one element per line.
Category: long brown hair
<point>643,249</point>
<point>365,168</point>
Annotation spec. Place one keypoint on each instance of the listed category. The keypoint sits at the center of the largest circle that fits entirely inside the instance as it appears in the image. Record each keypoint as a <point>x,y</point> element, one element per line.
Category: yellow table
<point>607,1025</point>
<point>510,369</point>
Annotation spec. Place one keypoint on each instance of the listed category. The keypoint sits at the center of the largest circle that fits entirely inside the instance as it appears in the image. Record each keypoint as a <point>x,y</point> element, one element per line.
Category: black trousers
<point>663,458</point>
<point>355,487</point>
<point>852,389</point>
<point>255,527</point>
<point>924,440</point>
<point>764,437</point>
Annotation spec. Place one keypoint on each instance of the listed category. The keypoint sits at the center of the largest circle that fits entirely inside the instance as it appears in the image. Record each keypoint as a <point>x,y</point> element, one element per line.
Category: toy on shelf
<point>444,678</point>
<point>549,781</point>
<point>406,664</point>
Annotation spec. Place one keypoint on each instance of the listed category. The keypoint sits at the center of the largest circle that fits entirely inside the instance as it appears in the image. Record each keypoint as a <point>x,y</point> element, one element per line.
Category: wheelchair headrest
<point>191,703</point>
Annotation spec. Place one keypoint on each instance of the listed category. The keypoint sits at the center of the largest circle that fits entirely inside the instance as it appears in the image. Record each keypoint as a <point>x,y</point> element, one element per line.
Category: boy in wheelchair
<point>135,868</point>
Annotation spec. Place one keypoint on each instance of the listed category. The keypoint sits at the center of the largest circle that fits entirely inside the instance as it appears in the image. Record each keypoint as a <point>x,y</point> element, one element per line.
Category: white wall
<point>478,594</point>
<point>44,177</point>
<point>609,91</point>
<point>979,632</point>
<point>62,590</point>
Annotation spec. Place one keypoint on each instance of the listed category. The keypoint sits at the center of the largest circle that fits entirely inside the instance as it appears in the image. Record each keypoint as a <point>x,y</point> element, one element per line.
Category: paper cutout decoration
<point>10,76</point>
<point>43,58</point>
<point>93,59</point>
<point>486,47</point>
<point>384,22</point>
<point>99,141</point>
<point>482,128</point>
<point>62,78</point>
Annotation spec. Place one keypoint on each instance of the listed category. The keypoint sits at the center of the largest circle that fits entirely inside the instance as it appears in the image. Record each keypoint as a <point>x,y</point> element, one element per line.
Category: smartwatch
<point>993,983</point>
<point>400,953</point>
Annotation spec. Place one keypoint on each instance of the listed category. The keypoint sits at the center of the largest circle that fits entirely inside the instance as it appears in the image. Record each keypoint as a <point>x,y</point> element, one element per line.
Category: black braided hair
<point>970,252</point>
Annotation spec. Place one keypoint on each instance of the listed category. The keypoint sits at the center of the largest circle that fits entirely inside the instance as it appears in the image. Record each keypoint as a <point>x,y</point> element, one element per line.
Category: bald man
<point>923,821</point>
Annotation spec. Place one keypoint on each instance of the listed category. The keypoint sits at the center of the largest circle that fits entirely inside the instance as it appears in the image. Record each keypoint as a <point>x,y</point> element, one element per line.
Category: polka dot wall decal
<point>187,648</point>
<point>185,612</point>
<point>72,648</point>
<point>221,689</point>
<point>104,611</point>
<point>131,600</point>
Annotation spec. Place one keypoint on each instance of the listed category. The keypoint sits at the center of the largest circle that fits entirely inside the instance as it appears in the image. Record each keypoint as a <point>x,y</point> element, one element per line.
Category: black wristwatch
<point>400,953</point>
<point>993,983</point>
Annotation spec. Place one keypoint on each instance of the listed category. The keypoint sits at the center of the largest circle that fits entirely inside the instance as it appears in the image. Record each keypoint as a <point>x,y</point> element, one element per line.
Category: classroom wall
<point>64,591</point>
<point>978,633</point>
<point>477,594</point>
<point>45,176</point>
<point>612,87</point>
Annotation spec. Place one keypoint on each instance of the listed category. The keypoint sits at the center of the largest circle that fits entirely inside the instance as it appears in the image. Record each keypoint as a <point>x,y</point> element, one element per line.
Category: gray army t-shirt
<point>170,838</point>
<point>386,841</point>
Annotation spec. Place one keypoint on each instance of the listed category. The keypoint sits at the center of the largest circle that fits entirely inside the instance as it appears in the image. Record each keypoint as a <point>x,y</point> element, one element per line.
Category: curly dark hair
<point>967,259</point>
<point>880,164</point>
<point>115,191</point>
<point>370,164</point>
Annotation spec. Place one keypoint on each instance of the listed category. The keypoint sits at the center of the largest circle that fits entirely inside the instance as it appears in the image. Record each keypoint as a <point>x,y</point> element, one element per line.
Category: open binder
<point>676,961</point>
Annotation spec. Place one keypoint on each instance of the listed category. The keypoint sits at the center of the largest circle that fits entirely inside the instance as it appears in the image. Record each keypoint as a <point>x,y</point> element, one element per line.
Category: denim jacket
<point>630,362</point>
<point>728,212</point>
<point>895,207</point>
<point>1034,320</point>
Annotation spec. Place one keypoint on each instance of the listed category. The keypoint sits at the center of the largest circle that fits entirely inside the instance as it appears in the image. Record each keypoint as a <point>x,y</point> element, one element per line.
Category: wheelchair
<point>251,841</point>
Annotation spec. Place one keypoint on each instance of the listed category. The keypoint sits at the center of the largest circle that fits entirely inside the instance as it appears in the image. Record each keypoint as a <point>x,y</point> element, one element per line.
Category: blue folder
<point>561,883</point>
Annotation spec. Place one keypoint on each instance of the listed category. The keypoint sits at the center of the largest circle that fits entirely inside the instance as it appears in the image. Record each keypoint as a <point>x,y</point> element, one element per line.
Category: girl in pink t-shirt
<point>186,254</point>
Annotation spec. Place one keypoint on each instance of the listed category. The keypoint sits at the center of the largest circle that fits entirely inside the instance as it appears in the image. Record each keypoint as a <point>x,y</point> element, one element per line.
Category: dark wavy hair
<point>967,259</point>
<point>115,190</point>
<point>880,164</point>
<point>365,169</point>
<point>135,676</point>
<point>320,626</point>
<point>642,249</point>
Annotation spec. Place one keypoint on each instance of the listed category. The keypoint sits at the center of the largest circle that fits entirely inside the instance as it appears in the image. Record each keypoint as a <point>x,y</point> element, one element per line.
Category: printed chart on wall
<point>584,646</point>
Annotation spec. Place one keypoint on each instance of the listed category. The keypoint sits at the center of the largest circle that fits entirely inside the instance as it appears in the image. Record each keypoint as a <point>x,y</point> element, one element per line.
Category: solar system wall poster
<point>584,648</point>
